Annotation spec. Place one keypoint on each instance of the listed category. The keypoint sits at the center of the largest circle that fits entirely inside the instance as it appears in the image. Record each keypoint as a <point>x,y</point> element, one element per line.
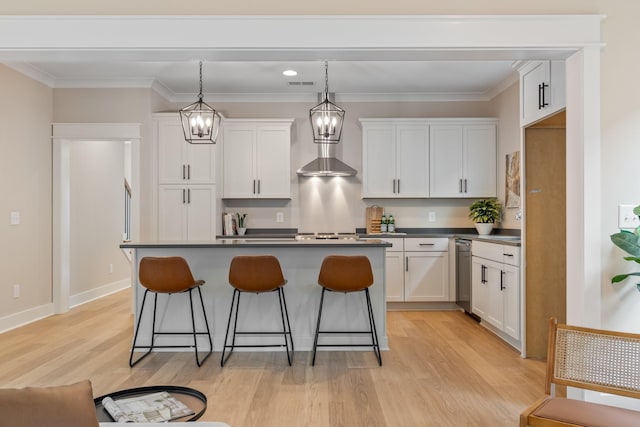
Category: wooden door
<point>545,230</point>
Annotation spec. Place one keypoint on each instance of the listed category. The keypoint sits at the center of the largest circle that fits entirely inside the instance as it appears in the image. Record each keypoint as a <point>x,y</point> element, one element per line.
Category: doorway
<point>545,229</point>
<point>64,135</point>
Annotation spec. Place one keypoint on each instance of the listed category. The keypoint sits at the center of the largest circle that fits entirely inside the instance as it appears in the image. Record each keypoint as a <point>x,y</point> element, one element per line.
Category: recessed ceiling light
<point>290,73</point>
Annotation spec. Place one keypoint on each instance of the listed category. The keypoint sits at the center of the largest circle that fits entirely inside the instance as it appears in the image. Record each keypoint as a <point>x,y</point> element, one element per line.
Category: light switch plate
<point>15,218</point>
<point>432,217</point>
<point>626,218</point>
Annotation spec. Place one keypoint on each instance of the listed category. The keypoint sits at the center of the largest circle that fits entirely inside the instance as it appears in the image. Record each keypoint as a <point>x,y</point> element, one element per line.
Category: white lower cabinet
<point>495,287</point>
<point>186,212</point>
<point>419,272</point>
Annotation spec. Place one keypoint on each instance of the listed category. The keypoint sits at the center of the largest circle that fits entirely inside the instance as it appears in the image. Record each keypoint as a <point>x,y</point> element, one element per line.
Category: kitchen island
<point>300,261</point>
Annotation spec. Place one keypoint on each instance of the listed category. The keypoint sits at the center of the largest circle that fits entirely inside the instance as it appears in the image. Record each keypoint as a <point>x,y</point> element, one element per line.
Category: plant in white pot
<point>484,213</point>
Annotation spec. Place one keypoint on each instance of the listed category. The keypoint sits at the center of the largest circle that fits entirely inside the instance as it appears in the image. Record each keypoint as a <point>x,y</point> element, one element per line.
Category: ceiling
<point>360,80</point>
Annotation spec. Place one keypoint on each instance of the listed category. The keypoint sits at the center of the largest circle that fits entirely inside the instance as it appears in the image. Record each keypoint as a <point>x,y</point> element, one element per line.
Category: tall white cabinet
<point>256,159</point>
<point>185,178</point>
<point>395,158</point>
<point>462,159</point>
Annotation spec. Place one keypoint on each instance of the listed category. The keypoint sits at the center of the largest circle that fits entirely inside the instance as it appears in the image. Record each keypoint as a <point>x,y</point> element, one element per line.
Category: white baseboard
<point>31,315</point>
<point>99,292</point>
<point>25,317</point>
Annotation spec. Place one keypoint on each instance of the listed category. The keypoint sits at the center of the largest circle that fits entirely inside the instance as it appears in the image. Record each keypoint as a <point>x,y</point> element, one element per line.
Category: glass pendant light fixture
<point>326,118</point>
<point>200,122</point>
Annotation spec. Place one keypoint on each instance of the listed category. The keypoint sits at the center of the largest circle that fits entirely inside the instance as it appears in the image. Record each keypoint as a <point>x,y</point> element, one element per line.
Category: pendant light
<point>326,118</point>
<point>200,122</point>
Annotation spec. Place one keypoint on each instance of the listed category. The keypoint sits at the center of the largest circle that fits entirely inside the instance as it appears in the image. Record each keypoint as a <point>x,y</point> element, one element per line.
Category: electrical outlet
<point>626,218</point>
<point>432,217</point>
<point>279,217</point>
<point>16,291</point>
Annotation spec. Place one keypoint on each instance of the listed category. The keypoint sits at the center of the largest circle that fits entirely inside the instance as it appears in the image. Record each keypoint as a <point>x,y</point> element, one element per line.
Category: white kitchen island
<point>300,261</point>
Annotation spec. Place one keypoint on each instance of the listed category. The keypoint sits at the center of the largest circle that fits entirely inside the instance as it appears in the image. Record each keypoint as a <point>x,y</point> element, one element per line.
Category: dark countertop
<point>253,242</point>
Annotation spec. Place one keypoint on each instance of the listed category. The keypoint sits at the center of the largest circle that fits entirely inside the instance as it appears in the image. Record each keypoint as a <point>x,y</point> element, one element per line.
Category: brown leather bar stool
<point>340,273</point>
<point>257,274</point>
<point>169,275</point>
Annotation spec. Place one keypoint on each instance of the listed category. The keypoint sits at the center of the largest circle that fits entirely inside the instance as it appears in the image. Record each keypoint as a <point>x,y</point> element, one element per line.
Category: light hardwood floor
<point>443,369</point>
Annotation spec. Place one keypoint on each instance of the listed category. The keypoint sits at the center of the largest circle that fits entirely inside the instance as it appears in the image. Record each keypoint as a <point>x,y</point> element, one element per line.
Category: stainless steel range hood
<point>326,164</point>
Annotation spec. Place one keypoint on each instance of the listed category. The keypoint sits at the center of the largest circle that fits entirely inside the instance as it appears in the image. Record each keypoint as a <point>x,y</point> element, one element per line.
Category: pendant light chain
<point>200,96</point>
<point>326,79</point>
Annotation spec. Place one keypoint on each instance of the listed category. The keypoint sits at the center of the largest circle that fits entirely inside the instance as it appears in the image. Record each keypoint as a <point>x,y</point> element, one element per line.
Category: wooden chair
<point>591,359</point>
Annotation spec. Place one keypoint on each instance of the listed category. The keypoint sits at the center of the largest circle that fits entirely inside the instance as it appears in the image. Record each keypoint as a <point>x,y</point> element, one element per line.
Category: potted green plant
<point>628,241</point>
<point>242,223</point>
<point>484,213</point>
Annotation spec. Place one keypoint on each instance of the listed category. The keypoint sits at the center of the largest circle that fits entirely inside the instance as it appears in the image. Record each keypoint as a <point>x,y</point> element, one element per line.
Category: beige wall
<point>25,187</point>
<point>507,110</point>
<point>97,220</point>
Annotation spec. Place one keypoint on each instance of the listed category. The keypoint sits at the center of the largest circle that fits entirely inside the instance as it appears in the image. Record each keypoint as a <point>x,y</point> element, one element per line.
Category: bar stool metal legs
<point>169,275</point>
<point>193,332</point>
<point>372,330</point>
<point>286,328</point>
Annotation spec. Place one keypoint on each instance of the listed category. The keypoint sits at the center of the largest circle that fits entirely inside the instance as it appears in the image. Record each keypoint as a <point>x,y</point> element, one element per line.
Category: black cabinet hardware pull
<point>501,280</point>
<point>406,263</point>
<point>183,196</point>
<point>188,171</point>
<point>258,186</point>
<point>426,244</point>
<point>508,255</point>
<point>189,196</point>
<point>183,172</point>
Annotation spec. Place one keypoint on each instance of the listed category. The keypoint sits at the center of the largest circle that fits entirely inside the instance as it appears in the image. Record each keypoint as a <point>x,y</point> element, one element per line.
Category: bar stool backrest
<point>342,273</point>
<point>258,273</point>
<point>166,274</point>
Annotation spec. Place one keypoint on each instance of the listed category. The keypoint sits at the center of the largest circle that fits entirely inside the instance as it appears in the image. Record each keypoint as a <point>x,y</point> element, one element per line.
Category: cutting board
<point>373,219</point>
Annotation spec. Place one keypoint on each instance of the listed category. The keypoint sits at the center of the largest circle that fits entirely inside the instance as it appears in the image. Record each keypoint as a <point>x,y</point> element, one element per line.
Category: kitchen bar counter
<point>300,261</point>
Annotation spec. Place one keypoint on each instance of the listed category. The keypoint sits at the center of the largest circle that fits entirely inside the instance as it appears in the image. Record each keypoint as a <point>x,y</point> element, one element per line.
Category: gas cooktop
<point>327,236</point>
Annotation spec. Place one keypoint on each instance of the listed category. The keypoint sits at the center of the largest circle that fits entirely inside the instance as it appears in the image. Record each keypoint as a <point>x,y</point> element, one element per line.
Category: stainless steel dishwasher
<point>463,275</point>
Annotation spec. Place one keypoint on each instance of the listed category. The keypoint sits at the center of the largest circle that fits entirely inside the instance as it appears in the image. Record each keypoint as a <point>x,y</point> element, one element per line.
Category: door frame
<point>63,135</point>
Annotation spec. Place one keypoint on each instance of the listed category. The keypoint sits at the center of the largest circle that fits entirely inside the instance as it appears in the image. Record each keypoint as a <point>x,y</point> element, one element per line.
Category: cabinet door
<point>495,310</point>
<point>479,161</point>
<point>535,74</point>
<point>201,202</point>
<point>511,282</point>
<point>426,276</point>
<point>200,163</point>
<point>394,276</point>
<point>273,162</point>
<point>445,160</point>
<point>238,162</point>
<point>172,218</point>
<point>172,164</point>
<point>412,161</point>
<point>378,161</point>
<point>479,288</point>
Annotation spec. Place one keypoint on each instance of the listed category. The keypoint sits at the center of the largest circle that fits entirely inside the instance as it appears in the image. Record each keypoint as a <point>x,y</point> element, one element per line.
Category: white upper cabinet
<point>395,158</point>
<point>257,159</point>
<point>462,159</point>
<point>542,89</point>
<point>178,161</point>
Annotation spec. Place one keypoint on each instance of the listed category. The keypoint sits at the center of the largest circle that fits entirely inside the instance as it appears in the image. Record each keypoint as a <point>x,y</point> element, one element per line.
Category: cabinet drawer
<point>511,255</point>
<point>398,244</point>
<point>505,254</point>
<point>427,244</point>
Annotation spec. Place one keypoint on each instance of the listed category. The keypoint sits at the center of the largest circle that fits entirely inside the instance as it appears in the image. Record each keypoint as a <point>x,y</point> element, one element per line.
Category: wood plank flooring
<point>443,369</point>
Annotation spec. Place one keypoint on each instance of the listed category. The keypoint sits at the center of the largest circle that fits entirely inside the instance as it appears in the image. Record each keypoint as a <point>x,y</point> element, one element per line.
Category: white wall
<point>97,215</point>
<point>25,187</point>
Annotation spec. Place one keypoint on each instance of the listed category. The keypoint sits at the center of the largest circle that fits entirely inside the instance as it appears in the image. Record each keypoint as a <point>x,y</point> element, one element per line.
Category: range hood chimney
<point>326,164</point>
